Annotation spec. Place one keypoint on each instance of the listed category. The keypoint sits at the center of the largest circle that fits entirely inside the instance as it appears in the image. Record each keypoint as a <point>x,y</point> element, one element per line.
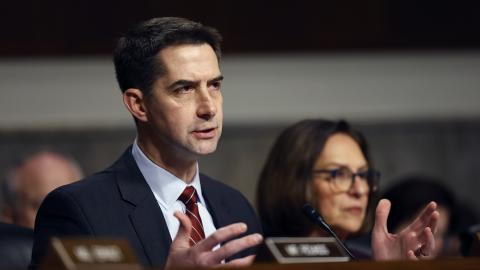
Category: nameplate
<point>90,253</point>
<point>305,249</point>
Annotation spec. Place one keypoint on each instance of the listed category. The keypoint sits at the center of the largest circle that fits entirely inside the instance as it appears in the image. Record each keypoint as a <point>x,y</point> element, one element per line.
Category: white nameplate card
<point>305,249</point>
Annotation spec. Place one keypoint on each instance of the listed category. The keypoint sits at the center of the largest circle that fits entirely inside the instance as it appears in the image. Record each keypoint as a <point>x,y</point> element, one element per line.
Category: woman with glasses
<point>327,164</point>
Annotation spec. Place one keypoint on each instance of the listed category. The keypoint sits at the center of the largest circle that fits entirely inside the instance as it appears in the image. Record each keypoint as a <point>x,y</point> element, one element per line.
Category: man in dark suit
<point>154,195</point>
<point>15,246</point>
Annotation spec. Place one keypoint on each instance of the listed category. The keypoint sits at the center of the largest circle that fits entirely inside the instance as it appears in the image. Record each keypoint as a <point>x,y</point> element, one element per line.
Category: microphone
<point>316,218</point>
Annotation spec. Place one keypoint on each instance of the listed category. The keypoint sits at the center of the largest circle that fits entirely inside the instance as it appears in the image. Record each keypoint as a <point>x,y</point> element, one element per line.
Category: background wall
<point>447,149</point>
<point>258,89</point>
<point>404,72</point>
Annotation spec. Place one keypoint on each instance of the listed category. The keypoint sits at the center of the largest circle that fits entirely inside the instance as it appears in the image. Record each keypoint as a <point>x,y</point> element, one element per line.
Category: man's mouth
<point>207,133</point>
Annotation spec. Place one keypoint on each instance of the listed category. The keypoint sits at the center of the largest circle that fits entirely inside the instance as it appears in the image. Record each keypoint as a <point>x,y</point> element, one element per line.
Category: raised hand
<point>202,255</point>
<point>414,242</point>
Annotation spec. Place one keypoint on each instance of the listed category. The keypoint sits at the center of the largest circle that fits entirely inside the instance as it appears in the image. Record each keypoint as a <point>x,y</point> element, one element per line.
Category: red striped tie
<point>189,198</point>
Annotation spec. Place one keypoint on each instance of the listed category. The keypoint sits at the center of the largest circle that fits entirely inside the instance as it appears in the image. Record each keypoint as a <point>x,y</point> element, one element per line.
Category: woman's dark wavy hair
<point>285,181</point>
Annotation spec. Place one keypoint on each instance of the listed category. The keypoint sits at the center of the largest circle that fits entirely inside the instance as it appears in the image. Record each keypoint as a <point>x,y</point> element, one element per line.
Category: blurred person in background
<point>23,190</point>
<point>15,246</point>
<point>328,165</point>
<point>27,184</point>
<point>411,193</point>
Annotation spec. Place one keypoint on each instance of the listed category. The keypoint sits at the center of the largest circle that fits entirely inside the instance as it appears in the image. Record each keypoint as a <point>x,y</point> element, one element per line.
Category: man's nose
<point>207,107</point>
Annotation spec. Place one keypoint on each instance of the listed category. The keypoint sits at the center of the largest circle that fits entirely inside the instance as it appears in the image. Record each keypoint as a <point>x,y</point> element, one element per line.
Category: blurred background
<point>404,72</point>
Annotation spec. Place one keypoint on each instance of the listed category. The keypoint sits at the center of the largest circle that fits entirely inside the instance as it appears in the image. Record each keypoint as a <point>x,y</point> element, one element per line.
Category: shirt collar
<point>165,186</point>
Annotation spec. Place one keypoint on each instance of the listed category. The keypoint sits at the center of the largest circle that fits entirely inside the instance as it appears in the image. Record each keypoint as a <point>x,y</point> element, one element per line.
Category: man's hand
<point>202,255</point>
<point>414,242</point>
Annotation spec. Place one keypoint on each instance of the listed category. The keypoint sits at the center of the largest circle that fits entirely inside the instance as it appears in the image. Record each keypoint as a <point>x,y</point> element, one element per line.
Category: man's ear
<point>134,101</point>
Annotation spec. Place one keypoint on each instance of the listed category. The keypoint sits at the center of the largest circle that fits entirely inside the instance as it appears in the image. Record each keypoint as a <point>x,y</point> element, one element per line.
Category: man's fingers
<point>182,239</point>
<point>381,216</point>
<point>221,235</point>
<point>234,247</point>
<point>203,249</point>
<point>242,262</point>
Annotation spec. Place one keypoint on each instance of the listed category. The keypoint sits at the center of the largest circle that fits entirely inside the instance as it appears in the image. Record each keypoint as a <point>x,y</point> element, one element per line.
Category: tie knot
<point>188,196</point>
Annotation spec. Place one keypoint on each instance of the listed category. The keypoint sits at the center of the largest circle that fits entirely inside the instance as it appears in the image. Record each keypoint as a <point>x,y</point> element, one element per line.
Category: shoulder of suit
<point>95,183</point>
<point>7,230</point>
<point>99,179</point>
<point>207,180</point>
<point>215,185</point>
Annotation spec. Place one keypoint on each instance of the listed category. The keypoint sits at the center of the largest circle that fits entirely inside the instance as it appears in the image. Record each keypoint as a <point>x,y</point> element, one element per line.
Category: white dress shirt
<point>167,188</point>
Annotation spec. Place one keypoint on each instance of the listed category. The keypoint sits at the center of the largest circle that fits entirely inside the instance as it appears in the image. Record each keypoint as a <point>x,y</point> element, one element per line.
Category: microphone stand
<point>316,218</point>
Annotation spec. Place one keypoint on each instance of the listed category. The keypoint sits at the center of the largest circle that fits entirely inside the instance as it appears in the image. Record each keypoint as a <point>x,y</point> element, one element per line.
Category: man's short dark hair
<point>135,56</point>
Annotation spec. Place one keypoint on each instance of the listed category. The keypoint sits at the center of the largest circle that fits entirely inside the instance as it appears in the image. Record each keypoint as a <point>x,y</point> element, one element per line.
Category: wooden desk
<point>450,264</point>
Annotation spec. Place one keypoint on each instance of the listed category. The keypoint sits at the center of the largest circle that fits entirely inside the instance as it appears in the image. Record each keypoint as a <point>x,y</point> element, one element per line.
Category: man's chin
<point>205,150</point>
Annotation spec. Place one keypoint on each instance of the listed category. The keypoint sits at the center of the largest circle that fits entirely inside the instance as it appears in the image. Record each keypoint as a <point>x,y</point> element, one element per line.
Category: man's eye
<point>184,89</point>
<point>216,85</point>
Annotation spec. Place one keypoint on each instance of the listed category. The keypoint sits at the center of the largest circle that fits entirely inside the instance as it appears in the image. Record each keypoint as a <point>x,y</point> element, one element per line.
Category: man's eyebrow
<point>181,83</point>
<point>216,79</point>
<point>188,82</point>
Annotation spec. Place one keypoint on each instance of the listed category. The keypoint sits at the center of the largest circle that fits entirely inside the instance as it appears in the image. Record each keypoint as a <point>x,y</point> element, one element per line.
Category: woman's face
<point>343,210</point>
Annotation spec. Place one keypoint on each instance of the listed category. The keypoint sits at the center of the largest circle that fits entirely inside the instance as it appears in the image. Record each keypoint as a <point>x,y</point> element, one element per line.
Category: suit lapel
<point>215,204</point>
<point>147,217</point>
<point>221,210</point>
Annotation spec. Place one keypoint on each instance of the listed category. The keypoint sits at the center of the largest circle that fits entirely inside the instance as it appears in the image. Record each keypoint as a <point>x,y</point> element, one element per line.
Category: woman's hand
<point>414,242</point>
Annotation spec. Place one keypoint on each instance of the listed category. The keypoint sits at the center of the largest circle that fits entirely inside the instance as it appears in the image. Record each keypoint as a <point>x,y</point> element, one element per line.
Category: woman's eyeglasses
<point>343,178</point>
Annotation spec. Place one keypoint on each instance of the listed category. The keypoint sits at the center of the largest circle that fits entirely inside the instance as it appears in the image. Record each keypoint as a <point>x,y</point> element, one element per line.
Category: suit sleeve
<point>253,226</point>
<point>59,215</point>
<point>248,216</point>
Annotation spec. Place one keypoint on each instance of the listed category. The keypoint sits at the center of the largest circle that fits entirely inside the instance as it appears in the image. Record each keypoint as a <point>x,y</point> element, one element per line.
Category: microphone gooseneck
<point>316,218</point>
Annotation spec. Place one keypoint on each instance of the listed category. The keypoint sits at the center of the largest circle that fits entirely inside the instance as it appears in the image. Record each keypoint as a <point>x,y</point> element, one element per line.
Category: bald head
<point>33,180</point>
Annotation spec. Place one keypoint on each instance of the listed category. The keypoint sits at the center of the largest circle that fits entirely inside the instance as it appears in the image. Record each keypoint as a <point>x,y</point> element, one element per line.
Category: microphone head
<point>311,213</point>
<point>316,218</point>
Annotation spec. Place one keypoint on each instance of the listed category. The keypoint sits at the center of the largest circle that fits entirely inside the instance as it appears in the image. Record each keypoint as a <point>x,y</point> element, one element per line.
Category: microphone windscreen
<point>311,213</point>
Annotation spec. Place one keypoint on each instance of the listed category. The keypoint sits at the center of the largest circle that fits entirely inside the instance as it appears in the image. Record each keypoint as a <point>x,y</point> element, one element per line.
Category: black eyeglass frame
<point>372,176</point>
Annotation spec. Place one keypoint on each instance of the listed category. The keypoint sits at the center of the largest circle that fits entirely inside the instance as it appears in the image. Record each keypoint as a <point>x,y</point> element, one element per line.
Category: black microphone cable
<point>316,218</point>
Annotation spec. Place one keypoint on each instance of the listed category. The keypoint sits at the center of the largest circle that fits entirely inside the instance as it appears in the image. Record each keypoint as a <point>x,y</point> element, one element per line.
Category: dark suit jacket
<point>118,202</point>
<point>15,246</point>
